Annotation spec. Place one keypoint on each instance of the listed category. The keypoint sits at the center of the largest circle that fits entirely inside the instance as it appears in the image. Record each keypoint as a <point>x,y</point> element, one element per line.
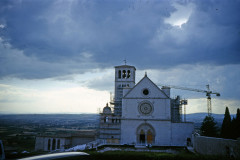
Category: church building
<point>142,113</point>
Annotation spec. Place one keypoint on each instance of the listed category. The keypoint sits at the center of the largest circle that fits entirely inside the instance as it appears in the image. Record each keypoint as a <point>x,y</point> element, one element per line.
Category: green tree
<point>233,128</point>
<point>226,125</point>
<point>236,125</point>
<point>208,127</point>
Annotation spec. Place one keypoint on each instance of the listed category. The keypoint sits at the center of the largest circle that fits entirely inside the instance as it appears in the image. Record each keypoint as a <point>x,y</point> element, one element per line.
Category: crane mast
<point>208,94</point>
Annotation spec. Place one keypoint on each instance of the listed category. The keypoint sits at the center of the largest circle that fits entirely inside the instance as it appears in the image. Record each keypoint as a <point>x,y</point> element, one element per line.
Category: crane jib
<point>208,94</point>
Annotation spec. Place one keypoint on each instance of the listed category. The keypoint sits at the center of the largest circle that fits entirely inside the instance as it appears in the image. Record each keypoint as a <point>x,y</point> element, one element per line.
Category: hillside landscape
<point>18,131</point>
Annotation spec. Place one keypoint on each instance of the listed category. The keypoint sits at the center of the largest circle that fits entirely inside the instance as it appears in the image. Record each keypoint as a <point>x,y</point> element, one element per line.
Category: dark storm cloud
<point>65,37</point>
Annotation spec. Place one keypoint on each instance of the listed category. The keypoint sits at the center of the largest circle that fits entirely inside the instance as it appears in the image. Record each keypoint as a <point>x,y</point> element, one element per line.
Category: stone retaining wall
<point>216,146</point>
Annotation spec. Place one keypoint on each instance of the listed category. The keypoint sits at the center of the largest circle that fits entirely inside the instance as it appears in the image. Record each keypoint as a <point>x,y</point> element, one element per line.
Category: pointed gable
<point>145,88</point>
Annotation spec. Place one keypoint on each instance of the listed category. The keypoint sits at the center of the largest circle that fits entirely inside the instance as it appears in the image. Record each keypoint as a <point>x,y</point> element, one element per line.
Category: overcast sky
<point>58,56</point>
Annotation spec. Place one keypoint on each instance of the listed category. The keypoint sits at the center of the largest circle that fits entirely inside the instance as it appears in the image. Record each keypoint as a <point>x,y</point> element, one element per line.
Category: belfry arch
<point>145,134</point>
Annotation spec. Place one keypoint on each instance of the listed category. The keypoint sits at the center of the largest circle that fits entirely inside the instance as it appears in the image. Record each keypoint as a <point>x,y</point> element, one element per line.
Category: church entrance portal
<point>149,137</point>
<point>145,134</point>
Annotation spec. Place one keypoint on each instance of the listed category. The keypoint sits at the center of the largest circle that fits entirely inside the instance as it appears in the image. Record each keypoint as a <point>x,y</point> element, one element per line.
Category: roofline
<point>126,66</point>
<point>133,88</point>
<point>159,88</point>
<point>151,82</point>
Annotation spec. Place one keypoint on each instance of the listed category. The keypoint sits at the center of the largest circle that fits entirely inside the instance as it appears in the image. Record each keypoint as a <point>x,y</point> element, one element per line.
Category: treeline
<point>230,128</point>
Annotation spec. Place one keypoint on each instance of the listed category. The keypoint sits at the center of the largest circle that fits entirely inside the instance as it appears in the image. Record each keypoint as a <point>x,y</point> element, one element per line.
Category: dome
<point>107,109</point>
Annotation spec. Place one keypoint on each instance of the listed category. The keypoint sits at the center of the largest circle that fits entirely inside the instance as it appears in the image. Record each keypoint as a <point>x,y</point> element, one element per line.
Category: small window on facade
<point>119,74</point>
<point>54,144</point>
<point>145,92</point>
<point>58,144</point>
<point>124,74</point>
<point>128,74</point>
<point>49,144</point>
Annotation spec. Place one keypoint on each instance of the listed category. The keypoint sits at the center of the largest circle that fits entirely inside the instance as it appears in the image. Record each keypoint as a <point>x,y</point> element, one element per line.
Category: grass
<point>124,155</point>
<point>131,155</point>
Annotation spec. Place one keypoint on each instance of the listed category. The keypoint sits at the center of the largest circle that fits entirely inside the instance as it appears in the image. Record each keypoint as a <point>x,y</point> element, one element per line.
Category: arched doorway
<point>145,134</point>
<point>142,137</point>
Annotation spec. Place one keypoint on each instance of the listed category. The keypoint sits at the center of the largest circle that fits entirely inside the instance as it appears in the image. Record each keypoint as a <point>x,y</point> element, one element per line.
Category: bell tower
<point>124,78</point>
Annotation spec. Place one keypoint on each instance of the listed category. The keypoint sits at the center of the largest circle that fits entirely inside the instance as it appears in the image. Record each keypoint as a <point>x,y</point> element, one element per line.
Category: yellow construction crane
<point>208,94</point>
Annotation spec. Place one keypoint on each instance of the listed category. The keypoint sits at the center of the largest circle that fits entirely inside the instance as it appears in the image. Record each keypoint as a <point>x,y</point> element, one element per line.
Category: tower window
<point>124,74</point>
<point>106,120</point>
<point>119,74</point>
<point>128,74</point>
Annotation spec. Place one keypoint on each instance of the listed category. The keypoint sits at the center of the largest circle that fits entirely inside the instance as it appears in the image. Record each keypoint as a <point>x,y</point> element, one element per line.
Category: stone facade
<point>145,113</point>
<point>124,79</point>
<point>50,143</point>
<point>109,126</point>
<point>60,142</point>
<point>217,146</point>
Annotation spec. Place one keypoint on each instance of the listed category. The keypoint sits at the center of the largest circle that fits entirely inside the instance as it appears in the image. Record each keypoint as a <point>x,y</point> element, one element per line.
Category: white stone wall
<point>162,131</point>
<point>41,143</point>
<point>161,109</point>
<point>166,132</point>
<point>155,92</point>
<point>159,119</point>
<point>81,140</point>
<point>159,100</point>
<point>217,146</point>
<point>180,133</point>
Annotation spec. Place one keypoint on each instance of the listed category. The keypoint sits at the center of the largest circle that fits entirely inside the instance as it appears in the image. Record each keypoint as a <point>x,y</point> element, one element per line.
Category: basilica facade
<point>142,113</point>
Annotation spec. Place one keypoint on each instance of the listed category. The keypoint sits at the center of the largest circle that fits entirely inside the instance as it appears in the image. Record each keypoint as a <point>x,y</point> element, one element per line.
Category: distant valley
<point>18,131</point>
<point>80,121</point>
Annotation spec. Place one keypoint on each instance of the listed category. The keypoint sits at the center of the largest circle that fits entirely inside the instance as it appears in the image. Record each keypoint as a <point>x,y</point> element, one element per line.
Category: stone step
<point>140,146</point>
